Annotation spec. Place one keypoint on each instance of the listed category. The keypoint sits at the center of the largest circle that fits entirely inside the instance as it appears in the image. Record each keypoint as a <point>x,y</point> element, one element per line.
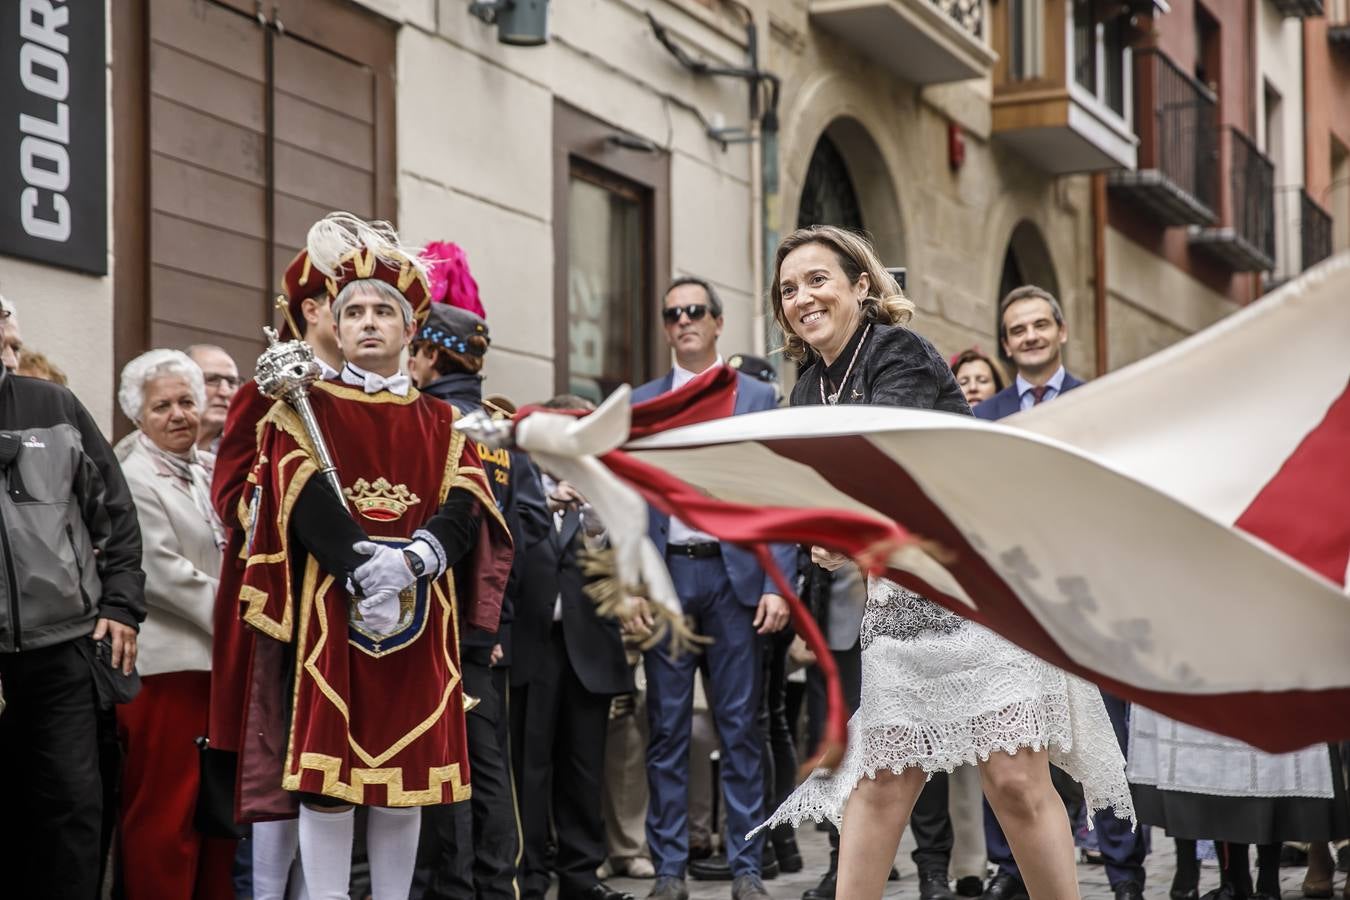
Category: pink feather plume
<point>449,278</point>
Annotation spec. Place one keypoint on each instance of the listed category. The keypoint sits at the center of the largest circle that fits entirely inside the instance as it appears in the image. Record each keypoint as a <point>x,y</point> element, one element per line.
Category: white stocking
<point>391,842</point>
<point>326,852</point>
<point>274,846</point>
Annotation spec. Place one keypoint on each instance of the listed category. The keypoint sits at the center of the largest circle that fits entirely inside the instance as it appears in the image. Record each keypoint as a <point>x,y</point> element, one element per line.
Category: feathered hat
<point>449,278</point>
<point>341,248</point>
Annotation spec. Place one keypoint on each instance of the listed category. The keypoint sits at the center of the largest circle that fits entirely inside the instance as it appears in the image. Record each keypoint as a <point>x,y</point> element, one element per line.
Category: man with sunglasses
<point>731,600</point>
<point>222,380</point>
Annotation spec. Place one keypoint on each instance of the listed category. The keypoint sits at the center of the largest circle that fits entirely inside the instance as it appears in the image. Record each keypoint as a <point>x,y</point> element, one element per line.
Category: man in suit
<point>731,600</point>
<point>1032,333</point>
<point>569,664</point>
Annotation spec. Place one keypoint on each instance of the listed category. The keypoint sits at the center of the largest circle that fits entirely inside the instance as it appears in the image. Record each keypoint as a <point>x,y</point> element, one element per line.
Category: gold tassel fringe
<point>611,597</point>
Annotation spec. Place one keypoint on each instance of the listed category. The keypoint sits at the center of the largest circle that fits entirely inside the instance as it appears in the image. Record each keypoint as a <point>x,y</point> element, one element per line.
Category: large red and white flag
<point>1177,532</point>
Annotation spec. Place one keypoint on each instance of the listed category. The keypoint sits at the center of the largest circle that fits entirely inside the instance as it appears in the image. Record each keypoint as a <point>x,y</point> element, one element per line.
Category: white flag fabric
<point>1177,531</point>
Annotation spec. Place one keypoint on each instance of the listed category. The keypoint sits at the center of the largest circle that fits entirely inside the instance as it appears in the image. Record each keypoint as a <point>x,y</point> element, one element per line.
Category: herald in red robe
<point>374,720</point>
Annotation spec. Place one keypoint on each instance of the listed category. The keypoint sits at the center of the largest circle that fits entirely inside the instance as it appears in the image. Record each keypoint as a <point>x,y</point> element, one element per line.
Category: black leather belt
<point>705,550</point>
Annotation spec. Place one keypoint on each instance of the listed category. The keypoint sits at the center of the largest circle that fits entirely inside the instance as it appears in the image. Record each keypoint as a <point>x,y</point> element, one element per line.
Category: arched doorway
<point>1027,261</point>
<point>828,195</point>
<point>848,183</point>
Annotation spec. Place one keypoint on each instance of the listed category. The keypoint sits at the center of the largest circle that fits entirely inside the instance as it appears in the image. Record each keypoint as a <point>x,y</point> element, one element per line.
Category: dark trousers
<point>780,752</point>
<point>931,823</point>
<point>476,850</point>
<point>558,742</point>
<point>50,829</point>
<point>734,676</point>
<point>1123,850</point>
<point>849,664</point>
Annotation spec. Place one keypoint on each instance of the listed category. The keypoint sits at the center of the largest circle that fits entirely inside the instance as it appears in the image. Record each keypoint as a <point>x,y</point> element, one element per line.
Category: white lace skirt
<point>939,692</point>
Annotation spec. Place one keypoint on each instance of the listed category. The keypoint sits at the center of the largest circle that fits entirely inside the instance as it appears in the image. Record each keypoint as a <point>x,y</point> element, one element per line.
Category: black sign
<point>53,133</point>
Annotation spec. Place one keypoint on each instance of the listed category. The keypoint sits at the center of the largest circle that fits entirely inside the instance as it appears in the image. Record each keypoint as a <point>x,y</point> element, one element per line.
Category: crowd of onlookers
<point>593,757</point>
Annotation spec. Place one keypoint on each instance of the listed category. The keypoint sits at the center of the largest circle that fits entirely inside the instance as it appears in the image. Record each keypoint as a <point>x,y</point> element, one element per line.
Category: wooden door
<point>256,128</point>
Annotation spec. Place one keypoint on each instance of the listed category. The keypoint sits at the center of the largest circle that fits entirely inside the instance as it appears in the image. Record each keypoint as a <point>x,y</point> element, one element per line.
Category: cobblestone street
<point>1091,879</point>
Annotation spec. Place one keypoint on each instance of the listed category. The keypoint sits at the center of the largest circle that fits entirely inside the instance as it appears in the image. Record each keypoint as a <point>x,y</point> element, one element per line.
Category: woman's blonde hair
<point>884,303</point>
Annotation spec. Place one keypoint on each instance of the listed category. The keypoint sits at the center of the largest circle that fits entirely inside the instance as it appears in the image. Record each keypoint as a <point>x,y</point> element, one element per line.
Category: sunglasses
<point>694,311</point>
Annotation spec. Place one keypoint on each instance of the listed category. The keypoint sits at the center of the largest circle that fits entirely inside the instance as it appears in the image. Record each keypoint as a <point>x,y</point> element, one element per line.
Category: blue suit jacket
<point>1006,402</point>
<point>748,580</point>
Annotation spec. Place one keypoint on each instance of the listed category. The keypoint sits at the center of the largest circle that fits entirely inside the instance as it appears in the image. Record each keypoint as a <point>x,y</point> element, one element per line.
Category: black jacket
<point>895,367</point>
<point>520,498</point>
<point>594,644</point>
<point>70,544</point>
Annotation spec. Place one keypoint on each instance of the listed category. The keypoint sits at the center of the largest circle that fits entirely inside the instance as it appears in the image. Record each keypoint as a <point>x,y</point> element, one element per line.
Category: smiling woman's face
<point>820,304</point>
<point>170,416</point>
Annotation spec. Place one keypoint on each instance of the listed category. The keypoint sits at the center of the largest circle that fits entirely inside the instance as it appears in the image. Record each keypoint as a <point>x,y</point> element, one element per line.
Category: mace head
<point>285,367</point>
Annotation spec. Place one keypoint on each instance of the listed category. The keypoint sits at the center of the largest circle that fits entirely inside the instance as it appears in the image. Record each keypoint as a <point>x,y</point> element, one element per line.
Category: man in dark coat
<point>480,859</point>
<point>569,665</point>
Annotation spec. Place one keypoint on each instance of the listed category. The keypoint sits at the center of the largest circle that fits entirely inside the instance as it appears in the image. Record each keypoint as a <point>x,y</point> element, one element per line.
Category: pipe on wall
<point>1099,269</point>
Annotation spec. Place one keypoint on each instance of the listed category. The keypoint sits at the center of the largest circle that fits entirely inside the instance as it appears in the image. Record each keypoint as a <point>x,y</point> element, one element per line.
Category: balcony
<point>1302,235</point>
<point>1175,116</point>
<point>1299,9</point>
<point>1248,243</point>
<point>921,41</point>
<point>1338,23</point>
<point>1314,231</point>
<point>1064,111</point>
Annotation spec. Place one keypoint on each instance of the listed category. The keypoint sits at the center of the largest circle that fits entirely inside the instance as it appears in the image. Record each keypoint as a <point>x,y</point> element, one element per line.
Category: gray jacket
<point>70,545</point>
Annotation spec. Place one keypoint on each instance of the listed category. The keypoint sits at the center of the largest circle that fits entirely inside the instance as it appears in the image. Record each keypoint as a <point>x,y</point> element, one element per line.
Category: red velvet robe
<point>373,720</point>
<point>232,641</point>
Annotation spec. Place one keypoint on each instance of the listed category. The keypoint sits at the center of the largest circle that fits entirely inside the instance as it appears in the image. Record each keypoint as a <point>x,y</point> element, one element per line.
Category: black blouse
<point>895,367</point>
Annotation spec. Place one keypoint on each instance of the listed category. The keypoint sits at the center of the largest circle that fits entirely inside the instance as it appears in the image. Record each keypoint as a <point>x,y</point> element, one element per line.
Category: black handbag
<point>214,815</point>
<point>113,687</point>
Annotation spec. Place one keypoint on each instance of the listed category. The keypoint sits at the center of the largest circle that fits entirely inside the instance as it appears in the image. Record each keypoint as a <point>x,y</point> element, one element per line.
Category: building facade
<point>981,145</point>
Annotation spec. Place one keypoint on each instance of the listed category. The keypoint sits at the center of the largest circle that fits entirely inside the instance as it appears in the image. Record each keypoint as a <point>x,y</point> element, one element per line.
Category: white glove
<point>385,571</point>
<point>380,612</point>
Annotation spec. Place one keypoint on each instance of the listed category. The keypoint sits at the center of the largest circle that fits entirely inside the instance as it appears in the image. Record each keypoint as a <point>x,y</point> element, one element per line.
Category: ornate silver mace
<point>285,371</point>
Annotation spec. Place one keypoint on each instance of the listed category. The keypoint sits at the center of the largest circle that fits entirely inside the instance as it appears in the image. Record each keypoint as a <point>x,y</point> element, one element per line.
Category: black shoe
<point>1005,887</point>
<point>699,851</point>
<point>1128,890</point>
<point>1183,893</point>
<point>748,887</point>
<point>785,849</point>
<point>822,891</point>
<point>711,868</point>
<point>933,885</point>
<point>970,886</point>
<point>1343,859</point>
<point>768,861</point>
<point>1222,892</point>
<point>717,868</point>
<point>595,892</point>
<point>668,887</point>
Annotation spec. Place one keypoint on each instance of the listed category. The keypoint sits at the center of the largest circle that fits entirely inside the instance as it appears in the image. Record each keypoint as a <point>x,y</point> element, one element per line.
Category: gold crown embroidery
<point>381,501</point>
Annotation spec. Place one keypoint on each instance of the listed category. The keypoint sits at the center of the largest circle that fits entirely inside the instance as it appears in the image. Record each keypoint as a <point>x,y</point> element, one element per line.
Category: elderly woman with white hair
<point>163,392</point>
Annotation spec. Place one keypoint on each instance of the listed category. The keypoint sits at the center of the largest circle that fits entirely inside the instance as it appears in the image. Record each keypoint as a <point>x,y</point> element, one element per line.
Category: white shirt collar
<point>1056,382</point>
<point>683,376</point>
<point>398,383</point>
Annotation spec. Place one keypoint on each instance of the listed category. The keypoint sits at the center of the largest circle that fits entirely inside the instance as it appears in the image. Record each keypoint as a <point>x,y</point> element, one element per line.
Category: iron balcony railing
<point>1176,120</point>
<point>1315,230</point>
<point>1186,139</point>
<point>969,14</point>
<point>1252,182</point>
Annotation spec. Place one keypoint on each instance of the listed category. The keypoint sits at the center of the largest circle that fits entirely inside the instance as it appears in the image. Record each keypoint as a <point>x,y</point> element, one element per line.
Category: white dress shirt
<point>681,533</point>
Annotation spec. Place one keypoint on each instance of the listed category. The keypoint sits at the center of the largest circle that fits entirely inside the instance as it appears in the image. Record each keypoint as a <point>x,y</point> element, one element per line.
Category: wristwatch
<point>415,563</point>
